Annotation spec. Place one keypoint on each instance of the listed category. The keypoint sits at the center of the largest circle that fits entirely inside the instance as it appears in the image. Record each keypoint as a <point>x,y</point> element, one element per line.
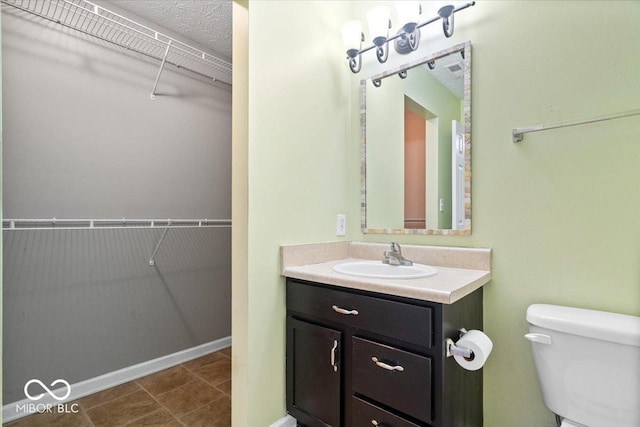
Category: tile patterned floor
<point>195,393</point>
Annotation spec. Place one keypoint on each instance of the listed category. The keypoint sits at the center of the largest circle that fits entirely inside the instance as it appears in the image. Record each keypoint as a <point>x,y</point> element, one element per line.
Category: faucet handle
<point>395,247</point>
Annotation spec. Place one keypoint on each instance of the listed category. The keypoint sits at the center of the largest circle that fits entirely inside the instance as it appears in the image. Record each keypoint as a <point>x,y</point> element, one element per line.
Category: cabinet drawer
<point>392,377</point>
<point>366,414</point>
<point>401,321</point>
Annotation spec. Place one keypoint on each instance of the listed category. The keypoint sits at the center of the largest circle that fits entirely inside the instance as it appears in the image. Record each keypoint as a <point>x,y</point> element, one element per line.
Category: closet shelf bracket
<point>152,260</point>
<point>164,60</point>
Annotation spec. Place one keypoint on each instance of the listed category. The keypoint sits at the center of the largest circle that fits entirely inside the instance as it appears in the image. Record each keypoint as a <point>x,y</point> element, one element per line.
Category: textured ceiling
<point>207,22</point>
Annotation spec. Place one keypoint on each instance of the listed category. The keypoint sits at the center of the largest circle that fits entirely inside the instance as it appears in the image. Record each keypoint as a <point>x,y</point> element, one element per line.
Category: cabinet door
<point>313,373</point>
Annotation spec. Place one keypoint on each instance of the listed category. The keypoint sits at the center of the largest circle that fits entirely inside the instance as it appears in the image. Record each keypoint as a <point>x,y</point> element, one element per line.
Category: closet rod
<point>96,21</point>
<point>518,133</point>
<point>110,224</point>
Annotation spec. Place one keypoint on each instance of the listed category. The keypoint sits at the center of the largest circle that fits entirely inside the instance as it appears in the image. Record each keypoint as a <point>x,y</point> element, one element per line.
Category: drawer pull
<point>343,311</point>
<point>333,356</point>
<point>385,366</point>
<point>375,423</point>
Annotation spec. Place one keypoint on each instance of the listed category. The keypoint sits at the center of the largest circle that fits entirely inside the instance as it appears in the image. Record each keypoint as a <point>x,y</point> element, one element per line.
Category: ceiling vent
<point>455,69</point>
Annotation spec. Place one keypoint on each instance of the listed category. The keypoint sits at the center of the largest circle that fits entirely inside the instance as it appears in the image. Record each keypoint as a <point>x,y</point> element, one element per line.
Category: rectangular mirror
<point>416,146</point>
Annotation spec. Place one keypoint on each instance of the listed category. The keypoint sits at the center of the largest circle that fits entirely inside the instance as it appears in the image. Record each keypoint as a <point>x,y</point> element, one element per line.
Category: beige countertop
<point>460,270</point>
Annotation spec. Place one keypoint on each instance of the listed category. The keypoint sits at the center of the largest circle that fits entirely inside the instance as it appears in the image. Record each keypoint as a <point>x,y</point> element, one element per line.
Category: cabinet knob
<point>375,423</point>
<point>344,311</point>
<point>386,366</point>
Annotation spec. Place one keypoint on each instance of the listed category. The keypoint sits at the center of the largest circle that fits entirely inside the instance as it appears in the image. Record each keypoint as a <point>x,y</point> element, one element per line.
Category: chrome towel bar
<point>518,133</point>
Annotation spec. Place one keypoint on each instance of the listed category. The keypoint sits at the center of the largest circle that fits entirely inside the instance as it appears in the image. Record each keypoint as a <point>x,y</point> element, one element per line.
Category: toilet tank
<point>588,364</point>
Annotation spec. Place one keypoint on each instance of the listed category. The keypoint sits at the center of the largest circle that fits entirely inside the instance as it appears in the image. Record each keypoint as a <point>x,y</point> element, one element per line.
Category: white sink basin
<point>379,270</point>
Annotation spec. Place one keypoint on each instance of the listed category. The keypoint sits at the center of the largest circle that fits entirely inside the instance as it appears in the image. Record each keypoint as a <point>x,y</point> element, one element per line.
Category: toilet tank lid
<point>601,325</point>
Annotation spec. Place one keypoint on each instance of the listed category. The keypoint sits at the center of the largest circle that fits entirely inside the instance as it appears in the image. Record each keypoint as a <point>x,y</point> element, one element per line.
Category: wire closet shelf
<point>101,224</point>
<point>113,224</point>
<point>108,26</point>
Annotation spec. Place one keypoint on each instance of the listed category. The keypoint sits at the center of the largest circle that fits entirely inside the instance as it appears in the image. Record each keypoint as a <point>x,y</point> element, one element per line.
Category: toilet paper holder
<point>453,350</point>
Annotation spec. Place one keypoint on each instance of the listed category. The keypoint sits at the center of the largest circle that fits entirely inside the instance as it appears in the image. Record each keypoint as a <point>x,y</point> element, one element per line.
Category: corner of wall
<point>239,286</point>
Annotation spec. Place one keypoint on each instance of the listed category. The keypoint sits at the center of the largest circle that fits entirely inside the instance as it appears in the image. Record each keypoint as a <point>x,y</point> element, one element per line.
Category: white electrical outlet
<point>341,226</point>
<point>441,205</point>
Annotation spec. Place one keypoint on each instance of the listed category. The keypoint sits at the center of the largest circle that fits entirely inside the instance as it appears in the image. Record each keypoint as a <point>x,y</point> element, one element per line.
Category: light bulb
<point>408,14</point>
<point>352,34</point>
<point>378,20</point>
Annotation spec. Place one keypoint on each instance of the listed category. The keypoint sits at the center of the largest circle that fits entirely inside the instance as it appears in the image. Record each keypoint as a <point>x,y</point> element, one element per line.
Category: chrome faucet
<point>394,256</point>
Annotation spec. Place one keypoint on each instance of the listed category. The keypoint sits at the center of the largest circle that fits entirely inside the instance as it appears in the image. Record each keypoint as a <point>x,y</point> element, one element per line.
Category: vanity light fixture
<point>352,36</point>
<point>406,40</point>
<point>409,12</point>
<point>379,22</point>
<point>446,13</point>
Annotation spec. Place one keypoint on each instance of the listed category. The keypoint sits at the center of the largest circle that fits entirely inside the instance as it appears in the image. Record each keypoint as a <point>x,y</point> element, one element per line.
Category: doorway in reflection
<point>421,201</point>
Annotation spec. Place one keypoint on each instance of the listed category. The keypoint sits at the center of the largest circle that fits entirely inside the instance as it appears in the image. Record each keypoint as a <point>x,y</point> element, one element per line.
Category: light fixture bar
<point>356,53</point>
<point>424,24</point>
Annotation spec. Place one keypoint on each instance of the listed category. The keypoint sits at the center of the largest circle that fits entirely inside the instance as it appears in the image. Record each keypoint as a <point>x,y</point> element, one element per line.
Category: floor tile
<point>53,419</point>
<point>215,373</point>
<point>163,381</point>
<point>225,387</point>
<point>216,414</point>
<point>123,409</point>
<point>189,397</point>
<point>204,360</point>
<point>160,418</point>
<point>101,397</point>
<point>196,393</point>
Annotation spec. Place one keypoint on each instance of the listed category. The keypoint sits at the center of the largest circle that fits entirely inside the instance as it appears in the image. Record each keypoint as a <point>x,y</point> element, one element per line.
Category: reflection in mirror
<point>416,135</point>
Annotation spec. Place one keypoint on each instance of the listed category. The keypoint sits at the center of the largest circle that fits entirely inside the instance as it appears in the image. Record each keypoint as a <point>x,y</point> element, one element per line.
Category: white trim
<point>111,379</point>
<point>286,421</point>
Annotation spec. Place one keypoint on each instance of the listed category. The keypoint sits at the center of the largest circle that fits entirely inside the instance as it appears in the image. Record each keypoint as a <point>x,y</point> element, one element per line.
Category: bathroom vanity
<point>369,351</point>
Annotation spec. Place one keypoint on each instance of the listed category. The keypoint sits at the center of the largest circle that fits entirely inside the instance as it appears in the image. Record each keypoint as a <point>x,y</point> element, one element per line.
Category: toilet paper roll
<point>480,344</point>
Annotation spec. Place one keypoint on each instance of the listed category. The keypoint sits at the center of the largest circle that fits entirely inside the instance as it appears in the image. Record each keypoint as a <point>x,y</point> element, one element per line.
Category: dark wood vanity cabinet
<point>358,358</point>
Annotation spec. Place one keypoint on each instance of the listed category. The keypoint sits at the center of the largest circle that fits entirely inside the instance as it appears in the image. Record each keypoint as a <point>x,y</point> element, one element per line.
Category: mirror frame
<point>465,49</point>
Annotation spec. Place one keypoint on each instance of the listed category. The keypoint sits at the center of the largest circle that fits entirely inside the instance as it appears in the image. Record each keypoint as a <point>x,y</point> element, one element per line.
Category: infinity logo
<point>51,393</point>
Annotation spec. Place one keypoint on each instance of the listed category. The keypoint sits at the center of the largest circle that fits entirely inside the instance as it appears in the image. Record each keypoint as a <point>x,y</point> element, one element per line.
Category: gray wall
<point>82,139</point>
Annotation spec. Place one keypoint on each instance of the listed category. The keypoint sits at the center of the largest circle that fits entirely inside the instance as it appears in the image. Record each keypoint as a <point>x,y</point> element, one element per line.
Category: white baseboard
<point>286,421</point>
<point>11,411</point>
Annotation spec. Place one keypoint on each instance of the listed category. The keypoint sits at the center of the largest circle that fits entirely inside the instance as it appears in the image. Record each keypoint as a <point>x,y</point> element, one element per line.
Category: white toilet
<point>588,364</point>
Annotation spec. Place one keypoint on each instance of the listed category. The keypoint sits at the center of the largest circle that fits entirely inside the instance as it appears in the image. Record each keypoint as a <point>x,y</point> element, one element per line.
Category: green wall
<point>560,210</point>
<point>299,164</point>
<point>1,275</point>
